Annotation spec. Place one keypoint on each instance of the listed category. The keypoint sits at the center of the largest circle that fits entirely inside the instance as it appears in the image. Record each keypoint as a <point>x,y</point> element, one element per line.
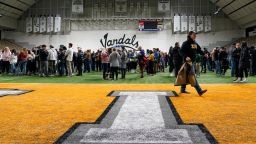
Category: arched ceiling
<point>243,12</point>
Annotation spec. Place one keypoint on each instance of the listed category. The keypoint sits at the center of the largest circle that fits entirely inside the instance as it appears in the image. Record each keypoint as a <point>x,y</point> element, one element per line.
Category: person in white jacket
<point>52,60</point>
<point>13,61</point>
<point>6,60</point>
<point>69,58</point>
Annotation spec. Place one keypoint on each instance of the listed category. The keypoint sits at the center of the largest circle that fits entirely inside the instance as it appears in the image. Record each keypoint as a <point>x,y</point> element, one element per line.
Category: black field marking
<point>18,94</point>
<point>62,138</point>
<point>180,122</point>
<point>207,133</point>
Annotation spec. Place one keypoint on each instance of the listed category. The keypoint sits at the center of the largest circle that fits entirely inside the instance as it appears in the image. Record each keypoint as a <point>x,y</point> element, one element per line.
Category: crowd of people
<point>240,58</point>
<point>67,61</point>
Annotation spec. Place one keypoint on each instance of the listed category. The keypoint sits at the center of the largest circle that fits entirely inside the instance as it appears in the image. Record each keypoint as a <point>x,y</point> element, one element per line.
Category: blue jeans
<point>197,86</point>
<point>61,68</point>
<point>105,70</point>
<point>233,68</point>
<point>217,67</point>
<point>21,68</point>
<point>87,66</point>
<point>12,68</point>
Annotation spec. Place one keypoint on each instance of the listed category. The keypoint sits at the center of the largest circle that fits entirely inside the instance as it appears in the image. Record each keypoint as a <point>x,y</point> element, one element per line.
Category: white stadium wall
<point>91,39</point>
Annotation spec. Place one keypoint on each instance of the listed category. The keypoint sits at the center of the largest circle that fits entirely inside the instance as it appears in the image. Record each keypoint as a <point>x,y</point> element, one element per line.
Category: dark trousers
<point>98,66</point>
<point>151,67</point>
<point>61,68</point>
<point>105,70</point>
<point>5,66</point>
<point>44,68</point>
<point>79,68</point>
<point>114,72</point>
<point>237,73</point>
<point>177,67</point>
<point>123,72</point>
<point>52,67</point>
<point>87,65</point>
<point>243,72</point>
<point>203,67</point>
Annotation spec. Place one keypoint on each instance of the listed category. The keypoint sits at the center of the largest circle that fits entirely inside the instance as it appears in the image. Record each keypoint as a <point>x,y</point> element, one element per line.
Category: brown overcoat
<point>186,75</point>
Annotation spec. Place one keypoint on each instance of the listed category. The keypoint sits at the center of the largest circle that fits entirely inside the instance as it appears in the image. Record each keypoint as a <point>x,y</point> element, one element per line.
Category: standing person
<point>98,61</point>
<point>198,62</point>
<point>6,60</point>
<point>141,61</point>
<point>52,60</point>
<point>162,61</point>
<point>151,63</point>
<point>244,63</point>
<point>176,58</point>
<point>61,61</point>
<point>43,58</point>
<point>236,56</point>
<point>69,57</point>
<point>171,64</point>
<point>80,59</point>
<point>93,62</point>
<point>217,61</point>
<point>13,61</point>
<point>189,49</point>
<point>223,61</point>
<point>232,60</point>
<point>114,59</point>
<point>253,61</point>
<point>123,63</point>
<point>204,61</point>
<point>87,61</point>
<point>105,62</point>
<point>22,61</point>
<point>30,66</point>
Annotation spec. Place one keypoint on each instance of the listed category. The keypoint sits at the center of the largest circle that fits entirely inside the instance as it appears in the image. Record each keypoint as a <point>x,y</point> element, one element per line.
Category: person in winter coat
<point>123,62</point>
<point>189,49</point>
<point>114,59</point>
<point>177,58</point>
<point>236,57</point>
<point>244,63</point>
<point>223,58</point>
<point>80,60</point>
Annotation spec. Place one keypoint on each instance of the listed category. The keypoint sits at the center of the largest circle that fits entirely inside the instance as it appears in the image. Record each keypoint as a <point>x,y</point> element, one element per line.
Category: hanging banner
<point>29,24</point>
<point>42,24</point>
<point>57,24</point>
<point>77,6</point>
<point>192,23</point>
<point>199,23</point>
<point>36,24</point>
<point>207,23</point>
<point>176,23</point>
<point>120,6</point>
<point>49,24</point>
<point>184,23</point>
<point>163,5</point>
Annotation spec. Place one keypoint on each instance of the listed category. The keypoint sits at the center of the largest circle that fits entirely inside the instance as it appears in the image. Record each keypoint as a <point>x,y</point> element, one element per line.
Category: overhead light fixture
<point>1,15</point>
<point>216,12</point>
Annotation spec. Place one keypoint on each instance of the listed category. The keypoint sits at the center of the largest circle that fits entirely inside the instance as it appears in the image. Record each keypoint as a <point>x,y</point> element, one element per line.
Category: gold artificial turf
<point>42,116</point>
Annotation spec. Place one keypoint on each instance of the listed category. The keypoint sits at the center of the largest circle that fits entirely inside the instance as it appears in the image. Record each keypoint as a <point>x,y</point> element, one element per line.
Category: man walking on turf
<point>189,49</point>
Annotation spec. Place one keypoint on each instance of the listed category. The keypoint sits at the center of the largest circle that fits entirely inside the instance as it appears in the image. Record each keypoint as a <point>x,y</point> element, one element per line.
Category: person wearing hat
<point>189,50</point>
